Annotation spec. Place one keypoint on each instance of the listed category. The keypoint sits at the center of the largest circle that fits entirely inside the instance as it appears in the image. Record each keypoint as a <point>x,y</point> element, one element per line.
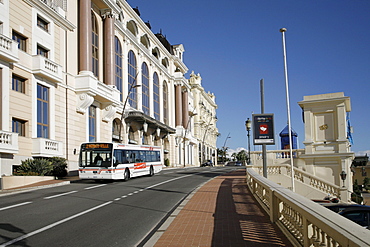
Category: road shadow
<point>238,218</point>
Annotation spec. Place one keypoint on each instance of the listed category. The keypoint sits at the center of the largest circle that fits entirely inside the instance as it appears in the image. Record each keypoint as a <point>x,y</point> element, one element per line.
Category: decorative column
<point>85,27</point>
<point>178,104</point>
<point>185,109</point>
<point>109,52</point>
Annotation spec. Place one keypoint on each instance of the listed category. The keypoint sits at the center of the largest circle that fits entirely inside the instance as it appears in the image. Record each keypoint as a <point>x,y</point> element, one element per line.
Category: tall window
<point>19,126</point>
<point>41,23</point>
<point>165,103</point>
<point>18,84</point>
<point>156,95</point>
<point>132,97</point>
<point>92,123</point>
<point>42,111</point>
<point>95,45</point>
<point>42,51</point>
<point>118,67</point>
<point>22,41</point>
<point>145,88</point>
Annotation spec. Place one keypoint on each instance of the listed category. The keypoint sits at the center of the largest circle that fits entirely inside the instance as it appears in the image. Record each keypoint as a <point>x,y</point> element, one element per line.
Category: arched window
<point>115,129</point>
<point>95,45</point>
<point>165,103</point>
<point>156,95</point>
<point>118,67</point>
<point>145,88</point>
<point>132,97</point>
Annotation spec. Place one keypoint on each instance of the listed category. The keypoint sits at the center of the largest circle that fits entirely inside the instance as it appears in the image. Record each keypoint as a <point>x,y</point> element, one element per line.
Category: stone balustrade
<point>303,221</point>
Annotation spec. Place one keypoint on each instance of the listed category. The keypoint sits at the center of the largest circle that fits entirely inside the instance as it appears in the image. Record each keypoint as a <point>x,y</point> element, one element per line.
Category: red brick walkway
<point>222,213</point>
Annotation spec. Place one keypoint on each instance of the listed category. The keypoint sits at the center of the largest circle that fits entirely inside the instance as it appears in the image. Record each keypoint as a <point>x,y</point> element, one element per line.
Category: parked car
<point>208,163</point>
<point>234,163</point>
<point>339,207</point>
<point>359,215</point>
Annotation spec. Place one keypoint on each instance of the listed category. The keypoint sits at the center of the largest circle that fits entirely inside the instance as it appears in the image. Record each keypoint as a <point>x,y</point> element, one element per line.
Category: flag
<point>349,130</point>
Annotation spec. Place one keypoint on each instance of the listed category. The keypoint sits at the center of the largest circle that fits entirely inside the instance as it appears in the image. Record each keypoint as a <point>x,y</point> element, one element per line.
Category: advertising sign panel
<point>263,129</point>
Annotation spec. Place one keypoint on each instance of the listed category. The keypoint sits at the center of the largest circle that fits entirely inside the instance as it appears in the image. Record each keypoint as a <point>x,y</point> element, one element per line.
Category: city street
<point>90,213</point>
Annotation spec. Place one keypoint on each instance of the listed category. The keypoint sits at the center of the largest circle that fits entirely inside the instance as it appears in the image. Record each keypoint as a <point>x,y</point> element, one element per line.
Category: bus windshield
<point>95,156</point>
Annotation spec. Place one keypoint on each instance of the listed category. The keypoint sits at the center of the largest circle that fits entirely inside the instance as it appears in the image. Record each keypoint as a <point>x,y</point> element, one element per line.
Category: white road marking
<point>63,194</point>
<point>54,224</point>
<point>16,205</point>
<point>96,186</point>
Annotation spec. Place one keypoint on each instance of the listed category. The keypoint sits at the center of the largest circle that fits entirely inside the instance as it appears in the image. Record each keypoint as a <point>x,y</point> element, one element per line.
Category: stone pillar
<point>178,105</point>
<point>327,150</point>
<point>185,109</point>
<point>85,27</point>
<point>109,52</point>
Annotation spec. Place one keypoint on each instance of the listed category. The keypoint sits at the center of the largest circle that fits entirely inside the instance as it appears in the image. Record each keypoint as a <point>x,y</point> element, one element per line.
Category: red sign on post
<point>263,129</point>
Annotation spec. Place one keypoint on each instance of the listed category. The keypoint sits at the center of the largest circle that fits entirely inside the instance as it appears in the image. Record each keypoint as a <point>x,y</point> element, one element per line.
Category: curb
<point>17,191</point>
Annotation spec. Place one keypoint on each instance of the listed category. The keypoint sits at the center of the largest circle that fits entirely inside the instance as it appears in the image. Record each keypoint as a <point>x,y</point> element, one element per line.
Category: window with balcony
<point>42,51</point>
<point>18,84</point>
<point>118,67</point>
<point>156,95</point>
<point>43,24</point>
<point>19,126</point>
<point>22,40</point>
<point>145,88</point>
<point>165,103</point>
<point>132,96</point>
<point>92,123</point>
<point>42,111</point>
<point>95,45</point>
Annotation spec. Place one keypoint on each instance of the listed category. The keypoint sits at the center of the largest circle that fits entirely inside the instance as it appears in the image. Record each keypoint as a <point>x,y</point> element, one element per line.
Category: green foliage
<point>357,198</point>
<point>55,166</point>
<point>35,167</point>
<point>167,162</point>
<point>356,195</point>
<point>59,166</point>
<point>366,183</point>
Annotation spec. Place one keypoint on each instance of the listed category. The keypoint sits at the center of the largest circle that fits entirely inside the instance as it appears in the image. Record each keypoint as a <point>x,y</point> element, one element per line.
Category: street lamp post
<point>132,86</point>
<point>228,136</point>
<point>248,125</point>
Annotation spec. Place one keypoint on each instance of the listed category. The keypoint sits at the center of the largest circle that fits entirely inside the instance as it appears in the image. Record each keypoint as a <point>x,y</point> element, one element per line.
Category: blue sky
<point>234,44</point>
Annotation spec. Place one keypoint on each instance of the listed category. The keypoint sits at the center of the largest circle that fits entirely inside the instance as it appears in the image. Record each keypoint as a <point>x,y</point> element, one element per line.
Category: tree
<point>242,155</point>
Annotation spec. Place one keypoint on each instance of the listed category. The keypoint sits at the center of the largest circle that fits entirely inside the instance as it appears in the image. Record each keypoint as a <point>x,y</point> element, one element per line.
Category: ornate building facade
<point>206,131</point>
<point>85,71</point>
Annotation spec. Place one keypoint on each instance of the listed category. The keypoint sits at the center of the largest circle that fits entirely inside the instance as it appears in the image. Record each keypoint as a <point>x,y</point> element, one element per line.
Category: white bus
<point>118,161</point>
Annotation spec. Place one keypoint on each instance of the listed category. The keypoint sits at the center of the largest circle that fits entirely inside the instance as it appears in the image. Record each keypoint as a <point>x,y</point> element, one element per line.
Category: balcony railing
<point>8,49</point>
<point>46,68</point>
<point>42,147</point>
<point>88,87</point>
<point>8,142</point>
<point>305,222</point>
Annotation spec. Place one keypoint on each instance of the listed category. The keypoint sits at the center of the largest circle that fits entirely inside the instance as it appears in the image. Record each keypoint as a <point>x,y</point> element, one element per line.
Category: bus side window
<point>117,157</point>
<point>142,157</point>
<point>132,157</point>
<point>137,156</point>
<point>125,157</point>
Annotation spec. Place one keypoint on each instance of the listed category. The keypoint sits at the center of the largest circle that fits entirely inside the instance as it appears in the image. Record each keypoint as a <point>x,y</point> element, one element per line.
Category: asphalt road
<point>88,213</point>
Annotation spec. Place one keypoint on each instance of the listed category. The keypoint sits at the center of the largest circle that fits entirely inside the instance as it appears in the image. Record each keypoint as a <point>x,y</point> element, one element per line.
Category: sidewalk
<point>222,212</point>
